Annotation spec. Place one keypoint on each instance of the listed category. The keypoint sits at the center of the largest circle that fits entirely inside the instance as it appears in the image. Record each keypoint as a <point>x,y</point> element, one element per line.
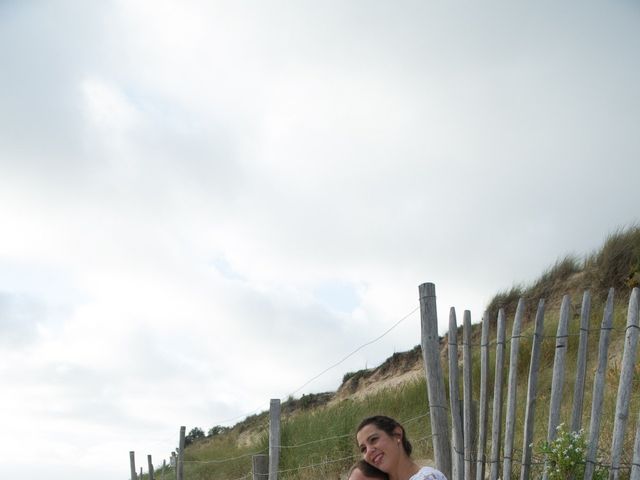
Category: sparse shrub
<point>355,376</point>
<point>566,456</point>
<point>195,434</point>
<point>217,430</point>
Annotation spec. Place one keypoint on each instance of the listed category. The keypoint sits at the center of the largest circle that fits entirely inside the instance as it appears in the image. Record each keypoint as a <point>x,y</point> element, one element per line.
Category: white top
<point>428,473</point>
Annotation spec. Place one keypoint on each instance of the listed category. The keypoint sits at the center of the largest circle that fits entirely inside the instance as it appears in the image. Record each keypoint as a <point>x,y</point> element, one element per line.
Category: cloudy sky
<point>204,204</point>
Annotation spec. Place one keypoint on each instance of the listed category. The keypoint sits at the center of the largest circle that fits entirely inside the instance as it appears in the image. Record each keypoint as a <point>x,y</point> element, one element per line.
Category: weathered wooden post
<point>559,361</point>
<point>132,463</point>
<point>180,465</point>
<point>484,404</point>
<point>510,420</point>
<point>557,380</point>
<point>635,463</point>
<point>626,381</point>
<point>469,464</point>
<point>274,438</point>
<point>150,462</point>
<point>174,463</point>
<point>532,393</point>
<point>598,387</point>
<point>457,450</point>
<point>430,343</point>
<point>581,367</point>
<point>140,477</point>
<point>164,467</point>
<point>260,467</point>
<point>497,398</point>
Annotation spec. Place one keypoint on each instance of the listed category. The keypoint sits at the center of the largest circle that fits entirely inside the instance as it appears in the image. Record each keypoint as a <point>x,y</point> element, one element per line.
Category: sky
<point>205,204</point>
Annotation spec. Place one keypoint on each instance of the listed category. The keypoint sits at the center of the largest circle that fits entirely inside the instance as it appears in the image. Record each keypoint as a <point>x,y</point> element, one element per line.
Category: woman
<point>384,444</point>
<point>363,471</point>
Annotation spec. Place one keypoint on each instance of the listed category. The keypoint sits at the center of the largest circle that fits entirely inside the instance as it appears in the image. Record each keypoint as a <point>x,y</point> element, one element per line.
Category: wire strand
<point>354,351</point>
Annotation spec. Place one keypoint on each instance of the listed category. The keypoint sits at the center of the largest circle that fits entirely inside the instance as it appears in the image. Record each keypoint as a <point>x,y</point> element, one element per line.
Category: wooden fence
<point>459,427</point>
<point>462,458</point>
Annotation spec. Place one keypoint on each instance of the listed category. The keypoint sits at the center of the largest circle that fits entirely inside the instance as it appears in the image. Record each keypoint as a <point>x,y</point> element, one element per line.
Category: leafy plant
<point>195,434</point>
<point>565,456</point>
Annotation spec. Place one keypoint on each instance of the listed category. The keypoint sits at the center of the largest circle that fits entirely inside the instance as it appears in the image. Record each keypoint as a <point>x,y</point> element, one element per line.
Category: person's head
<point>383,442</point>
<point>363,471</point>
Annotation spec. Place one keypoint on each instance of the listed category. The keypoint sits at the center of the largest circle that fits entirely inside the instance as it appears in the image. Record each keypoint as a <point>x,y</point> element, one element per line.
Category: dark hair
<point>368,470</point>
<point>387,425</point>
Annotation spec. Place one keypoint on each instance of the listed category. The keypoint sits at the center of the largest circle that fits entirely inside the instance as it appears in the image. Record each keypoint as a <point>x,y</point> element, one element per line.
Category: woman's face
<point>378,448</point>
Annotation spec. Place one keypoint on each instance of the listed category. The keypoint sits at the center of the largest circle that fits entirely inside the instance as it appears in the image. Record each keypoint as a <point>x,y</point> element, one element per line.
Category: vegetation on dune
<point>317,433</point>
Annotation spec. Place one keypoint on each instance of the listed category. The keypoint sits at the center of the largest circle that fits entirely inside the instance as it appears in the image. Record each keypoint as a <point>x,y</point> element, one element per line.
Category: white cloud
<point>195,195</point>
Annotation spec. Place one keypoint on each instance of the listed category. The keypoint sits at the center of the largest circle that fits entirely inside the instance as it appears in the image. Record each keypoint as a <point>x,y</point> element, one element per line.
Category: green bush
<point>566,456</point>
<point>195,434</point>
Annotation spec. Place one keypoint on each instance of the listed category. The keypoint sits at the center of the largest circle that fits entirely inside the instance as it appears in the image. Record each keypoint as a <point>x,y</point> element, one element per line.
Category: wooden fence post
<point>164,467</point>
<point>469,464</point>
<point>511,391</point>
<point>625,384</point>
<point>557,381</point>
<point>581,367</point>
<point>497,398</point>
<point>559,360</point>
<point>457,450</point>
<point>132,464</point>
<point>635,463</point>
<point>598,386</point>
<point>435,379</point>
<point>274,438</point>
<point>260,467</point>
<point>140,477</point>
<point>532,393</point>
<point>150,467</point>
<point>180,465</point>
<point>484,377</point>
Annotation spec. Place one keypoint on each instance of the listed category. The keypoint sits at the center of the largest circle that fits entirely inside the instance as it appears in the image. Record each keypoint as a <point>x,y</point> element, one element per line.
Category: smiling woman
<point>384,444</point>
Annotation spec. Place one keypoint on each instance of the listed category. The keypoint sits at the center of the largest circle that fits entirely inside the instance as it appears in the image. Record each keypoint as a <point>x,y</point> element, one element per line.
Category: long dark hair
<point>387,425</point>
<point>368,470</point>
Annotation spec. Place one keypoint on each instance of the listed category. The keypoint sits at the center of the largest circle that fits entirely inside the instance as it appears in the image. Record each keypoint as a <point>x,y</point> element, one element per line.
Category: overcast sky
<point>204,204</point>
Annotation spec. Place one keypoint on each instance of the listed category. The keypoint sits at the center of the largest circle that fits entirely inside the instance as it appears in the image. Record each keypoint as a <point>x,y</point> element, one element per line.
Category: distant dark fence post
<point>435,379</point>
<point>260,467</point>
<point>274,438</point>
<point>150,462</point>
<point>180,465</point>
<point>132,463</point>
